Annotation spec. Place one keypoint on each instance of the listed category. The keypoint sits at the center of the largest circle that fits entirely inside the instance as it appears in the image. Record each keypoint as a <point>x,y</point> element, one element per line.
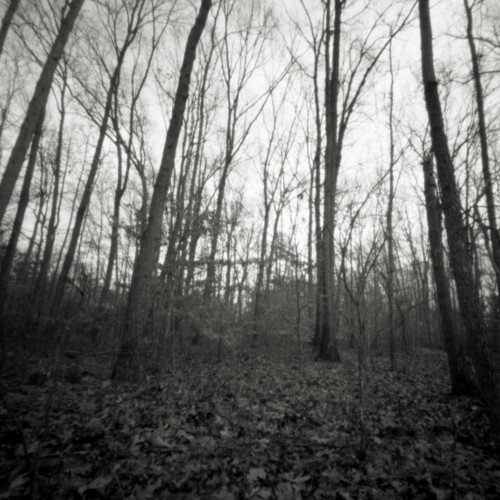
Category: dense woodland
<point>249,249</point>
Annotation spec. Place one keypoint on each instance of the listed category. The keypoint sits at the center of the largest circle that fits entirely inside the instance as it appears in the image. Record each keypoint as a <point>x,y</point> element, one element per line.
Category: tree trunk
<point>467,292</point>
<point>10,251</point>
<point>328,346</point>
<point>36,108</point>
<point>209,285</point>
<point>390,235</point>
<point>258,309</point>
<point>7,20</point>
<point>127,364</point>
<point>39,295</point>
<point>460,383</point>
<point>488,184</point>
<point>86,196</point>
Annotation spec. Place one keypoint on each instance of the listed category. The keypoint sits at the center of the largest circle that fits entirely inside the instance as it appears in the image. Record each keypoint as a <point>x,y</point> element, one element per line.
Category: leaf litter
<point>255,429</point>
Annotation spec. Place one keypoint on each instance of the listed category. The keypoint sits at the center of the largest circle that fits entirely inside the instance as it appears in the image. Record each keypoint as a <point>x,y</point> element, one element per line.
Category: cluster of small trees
<point>262,211</point>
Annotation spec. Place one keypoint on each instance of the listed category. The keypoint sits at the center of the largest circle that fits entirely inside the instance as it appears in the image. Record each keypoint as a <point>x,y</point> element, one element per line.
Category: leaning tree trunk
<point>39,296</point>
<point>461,266</point>
<point>57,299</point>
<point>488,184</point>
<point>6,21</point>
<point>36,108</point>
<point>10,251</point>
<point>127,365</point>
<point>460,382</point>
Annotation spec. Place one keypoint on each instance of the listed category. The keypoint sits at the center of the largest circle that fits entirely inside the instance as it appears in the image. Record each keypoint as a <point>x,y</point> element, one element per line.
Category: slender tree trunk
<point>36,108</point>
<point>39,295</point>
<point>113,248</point>
<point>38,210</point>
<point>460,383</point>
<point>488,184</point>
<point>115,221</point>
<point>467,292</point>
<point>86,196</point>
<point>272,252</point>
<point>209,285</point>
<point>195,230</point>
<point>318,242</point>
<point>7,20</point>
<point>390,236</point>
<point>68,228</point>
<point>328,347</point>
<point>310,266</point>
<point>168,272</point>
<point>127,364</point>
<point>317,209</point>
<point>257,311</point>
<point>230,269</point>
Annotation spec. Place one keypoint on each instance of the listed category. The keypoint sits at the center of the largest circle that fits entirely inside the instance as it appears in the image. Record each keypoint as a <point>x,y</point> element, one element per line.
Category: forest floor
<point>252,428</point>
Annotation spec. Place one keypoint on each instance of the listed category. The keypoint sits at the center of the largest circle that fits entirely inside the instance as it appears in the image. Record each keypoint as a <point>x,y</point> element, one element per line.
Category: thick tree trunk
<point>36,108</point>
<point>460,383</point>
<point>10,251</point>
<point>488,184</point>
<point>7,20</point>
<point>127,364</point>
<point>467,291</point>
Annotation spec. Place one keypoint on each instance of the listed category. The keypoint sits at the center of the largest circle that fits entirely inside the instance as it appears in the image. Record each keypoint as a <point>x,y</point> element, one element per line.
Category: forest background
<point>260,179</point>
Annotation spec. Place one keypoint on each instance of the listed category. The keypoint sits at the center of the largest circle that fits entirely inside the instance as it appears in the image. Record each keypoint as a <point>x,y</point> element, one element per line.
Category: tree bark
<point>10,251</point>
<point>467,292</point>
<point>485,161</point>
<point>6,21</point>
<point>328,345</point>
<point>460,382</point>
<point>127,363</point>
<point>36,108</point>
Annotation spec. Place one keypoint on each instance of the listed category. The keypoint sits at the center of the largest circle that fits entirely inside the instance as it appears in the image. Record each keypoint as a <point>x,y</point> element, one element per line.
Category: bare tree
<point>127,365</point>
<point>460,382</point>
<point>275,191</point>
<point>8,257</point>
<point>40,298</point>
<point>467,291</point>
<point>338,113</point>
<point>390,210</point>
<point>136,15</point>
<point>37,105</point>
<point>485,159</point>
<point>240,61</point>
<point>138,82</point>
